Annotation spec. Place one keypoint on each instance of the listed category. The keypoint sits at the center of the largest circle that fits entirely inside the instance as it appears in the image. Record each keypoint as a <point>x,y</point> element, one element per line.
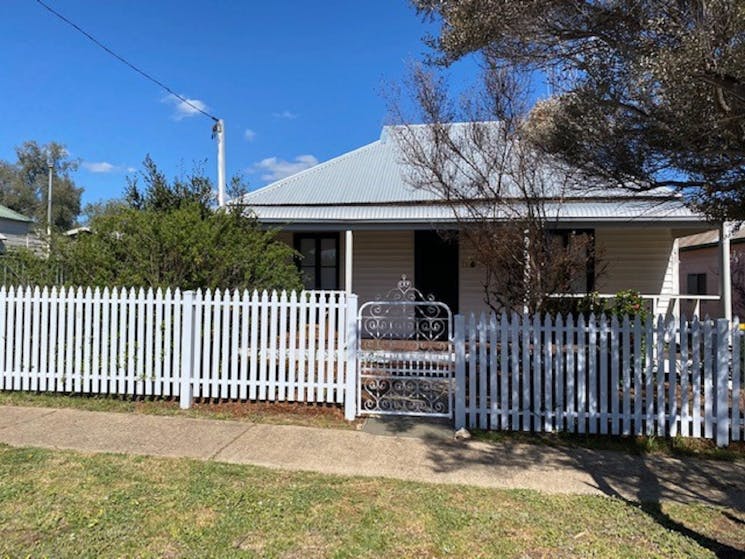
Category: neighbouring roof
<point>369,185</point>
<point>7,213</point>
<point>77,231</point>
<point>708,239</point>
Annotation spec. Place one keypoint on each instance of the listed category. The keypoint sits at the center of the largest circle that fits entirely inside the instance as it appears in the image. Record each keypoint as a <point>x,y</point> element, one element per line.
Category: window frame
<point>317,265</point>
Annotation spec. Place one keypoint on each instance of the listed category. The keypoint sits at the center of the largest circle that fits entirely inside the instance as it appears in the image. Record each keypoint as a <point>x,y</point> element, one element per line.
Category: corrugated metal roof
<point>369,184</point>
<point>370,174</point>
<point>7,213</point>
<point>625,211</point>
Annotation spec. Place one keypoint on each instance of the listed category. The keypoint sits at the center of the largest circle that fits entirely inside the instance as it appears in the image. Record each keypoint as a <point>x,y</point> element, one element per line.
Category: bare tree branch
<point>505,195</point>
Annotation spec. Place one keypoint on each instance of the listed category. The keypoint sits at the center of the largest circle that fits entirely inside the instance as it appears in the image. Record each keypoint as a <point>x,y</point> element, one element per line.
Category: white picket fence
<point>597,376</point>
<point>226,345</point>
<point>600,376</point>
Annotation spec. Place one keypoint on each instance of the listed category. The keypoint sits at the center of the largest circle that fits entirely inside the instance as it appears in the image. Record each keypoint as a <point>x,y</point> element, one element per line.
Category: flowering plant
<point>629,303</point>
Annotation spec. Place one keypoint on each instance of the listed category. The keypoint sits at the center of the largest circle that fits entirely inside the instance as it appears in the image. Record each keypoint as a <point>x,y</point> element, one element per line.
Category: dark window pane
<point>308,251</point>
<point>579,279</point>
<point>328,252</point>
<point>696,284</point>
<point>309,276</point>
<point>328,278</point>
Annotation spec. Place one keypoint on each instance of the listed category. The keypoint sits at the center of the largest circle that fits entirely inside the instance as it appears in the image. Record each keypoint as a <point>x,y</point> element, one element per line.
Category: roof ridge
<point>324,164</point>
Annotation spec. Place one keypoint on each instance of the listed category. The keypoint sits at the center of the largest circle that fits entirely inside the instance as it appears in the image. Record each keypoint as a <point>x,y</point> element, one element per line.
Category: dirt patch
<point>242,410</point>
<point>294,413</point>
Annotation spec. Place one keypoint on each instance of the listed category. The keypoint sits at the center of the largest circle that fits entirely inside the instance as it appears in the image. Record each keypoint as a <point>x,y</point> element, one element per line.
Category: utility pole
<point>219,131</point>
<point>50,166</point>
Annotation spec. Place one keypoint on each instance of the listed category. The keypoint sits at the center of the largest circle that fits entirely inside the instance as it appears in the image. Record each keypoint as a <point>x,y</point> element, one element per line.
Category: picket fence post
<point>186,390</point>
<point>350,396</point>
<point>459,341</point>
<point>721,382</point>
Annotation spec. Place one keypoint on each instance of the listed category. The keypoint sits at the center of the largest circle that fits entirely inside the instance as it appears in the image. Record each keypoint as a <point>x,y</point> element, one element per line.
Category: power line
<point>125,61</point>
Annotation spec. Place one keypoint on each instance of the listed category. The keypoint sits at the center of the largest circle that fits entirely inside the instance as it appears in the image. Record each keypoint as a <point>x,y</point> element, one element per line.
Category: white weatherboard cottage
<point>359,226</point>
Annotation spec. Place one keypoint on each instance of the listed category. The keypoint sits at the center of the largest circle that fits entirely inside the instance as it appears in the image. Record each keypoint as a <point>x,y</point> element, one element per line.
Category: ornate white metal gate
<point>406,358</point>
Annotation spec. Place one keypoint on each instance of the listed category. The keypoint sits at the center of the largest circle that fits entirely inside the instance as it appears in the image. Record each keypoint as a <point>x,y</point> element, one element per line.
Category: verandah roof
<point>619,212</point>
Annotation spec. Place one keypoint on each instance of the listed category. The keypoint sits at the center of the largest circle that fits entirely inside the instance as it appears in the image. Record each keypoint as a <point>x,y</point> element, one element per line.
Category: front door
<point>436,266</point>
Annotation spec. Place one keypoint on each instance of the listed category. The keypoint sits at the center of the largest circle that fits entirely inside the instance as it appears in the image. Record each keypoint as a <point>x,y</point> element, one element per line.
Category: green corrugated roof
<point>7,213</point>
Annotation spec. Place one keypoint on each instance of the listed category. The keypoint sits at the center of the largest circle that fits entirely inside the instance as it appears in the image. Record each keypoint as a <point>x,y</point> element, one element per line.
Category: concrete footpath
<point>430,458</point>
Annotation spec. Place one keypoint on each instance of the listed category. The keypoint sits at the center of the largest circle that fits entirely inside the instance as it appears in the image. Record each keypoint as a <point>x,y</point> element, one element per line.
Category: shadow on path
<point>406,426</point>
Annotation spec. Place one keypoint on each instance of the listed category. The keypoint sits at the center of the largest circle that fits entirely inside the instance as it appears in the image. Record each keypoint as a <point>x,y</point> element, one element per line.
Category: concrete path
<point>429,459</point>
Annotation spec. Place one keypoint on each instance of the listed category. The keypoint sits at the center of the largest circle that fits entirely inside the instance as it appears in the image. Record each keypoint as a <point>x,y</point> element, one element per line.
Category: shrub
<point>628,303</point>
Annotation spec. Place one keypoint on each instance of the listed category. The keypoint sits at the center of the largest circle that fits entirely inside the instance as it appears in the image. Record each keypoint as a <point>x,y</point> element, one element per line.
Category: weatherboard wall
<point>639,259</point>
<point>17,234</point>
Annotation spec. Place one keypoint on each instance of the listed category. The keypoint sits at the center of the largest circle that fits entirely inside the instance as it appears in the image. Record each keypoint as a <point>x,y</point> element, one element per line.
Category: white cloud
<point>99,166</point>
<point>250,135</point>
<point>288,115</point>
<point>183,109</point>
<point>274,168</point>
<point>105,167</point>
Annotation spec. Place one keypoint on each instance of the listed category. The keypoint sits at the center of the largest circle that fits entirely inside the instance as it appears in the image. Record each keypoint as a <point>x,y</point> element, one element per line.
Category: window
<point>696,284</point>
<point>583,283</point>
<point>319,259</point>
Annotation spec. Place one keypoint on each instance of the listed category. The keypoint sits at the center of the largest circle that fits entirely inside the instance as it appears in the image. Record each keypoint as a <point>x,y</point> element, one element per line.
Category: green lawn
<point>65,504</point>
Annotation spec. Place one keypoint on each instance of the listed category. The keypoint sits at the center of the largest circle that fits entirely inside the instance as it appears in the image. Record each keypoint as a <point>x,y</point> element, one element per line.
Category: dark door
<point>436,266</point>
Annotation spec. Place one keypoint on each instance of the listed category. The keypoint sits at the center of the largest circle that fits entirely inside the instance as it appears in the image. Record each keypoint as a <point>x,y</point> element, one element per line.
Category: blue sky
<point>296,82</point>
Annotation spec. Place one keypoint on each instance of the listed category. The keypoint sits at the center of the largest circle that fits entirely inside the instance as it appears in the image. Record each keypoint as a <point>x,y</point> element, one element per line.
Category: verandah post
<point>459,340</point>
<point>721,382</point>
<point>350,396</point>
<point>186,388</point>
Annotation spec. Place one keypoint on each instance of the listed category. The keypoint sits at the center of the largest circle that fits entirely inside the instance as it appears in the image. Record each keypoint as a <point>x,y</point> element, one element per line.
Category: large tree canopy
<point>648,92</point>
<point>24,184</point>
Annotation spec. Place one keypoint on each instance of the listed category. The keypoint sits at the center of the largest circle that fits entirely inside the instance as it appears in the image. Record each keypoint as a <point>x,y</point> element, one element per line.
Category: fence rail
<point>601,376</point>
<point>227,345</point>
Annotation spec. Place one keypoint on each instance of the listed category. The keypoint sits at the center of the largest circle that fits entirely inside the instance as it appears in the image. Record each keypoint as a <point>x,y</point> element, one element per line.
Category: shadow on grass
<point>641,480</point>
<point>720,549</point>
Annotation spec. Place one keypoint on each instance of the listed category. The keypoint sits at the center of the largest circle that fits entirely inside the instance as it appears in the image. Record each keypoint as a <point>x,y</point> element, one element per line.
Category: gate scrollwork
<point>406,354</point>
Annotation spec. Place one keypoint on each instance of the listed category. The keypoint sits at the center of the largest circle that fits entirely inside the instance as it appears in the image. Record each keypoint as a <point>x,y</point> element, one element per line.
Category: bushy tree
<point>648,93</point>
<point>24,184</point>
<point>167,233</point>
